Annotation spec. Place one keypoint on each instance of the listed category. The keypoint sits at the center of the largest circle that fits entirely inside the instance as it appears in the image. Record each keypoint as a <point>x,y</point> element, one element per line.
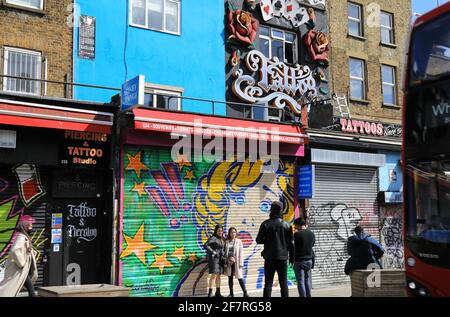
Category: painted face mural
<point>171,210</point>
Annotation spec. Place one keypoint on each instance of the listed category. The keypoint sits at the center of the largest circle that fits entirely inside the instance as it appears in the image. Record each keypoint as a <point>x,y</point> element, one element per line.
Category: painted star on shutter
<point>189,175</point>
<point>192,257</point>
<point>182,161</point>
<point>139,188</point>
<point>161,262</point>
<point>178,253</point>
<point>136,164</point>
<point>137,245</point>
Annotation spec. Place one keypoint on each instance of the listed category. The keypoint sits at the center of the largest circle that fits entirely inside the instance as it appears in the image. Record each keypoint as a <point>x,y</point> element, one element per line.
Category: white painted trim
<point>44,116</point>
<point>331,136</point>
<point>213,126</point>
<point>36,105</point>
<point>381,141</point>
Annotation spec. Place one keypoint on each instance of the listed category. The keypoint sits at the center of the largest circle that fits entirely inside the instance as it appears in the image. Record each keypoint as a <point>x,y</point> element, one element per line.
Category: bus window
<point>431,51</point>
<point>431,196</point>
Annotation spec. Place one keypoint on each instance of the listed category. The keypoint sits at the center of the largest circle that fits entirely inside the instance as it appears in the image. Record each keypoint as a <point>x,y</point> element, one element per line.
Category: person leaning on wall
<point>20,267</point>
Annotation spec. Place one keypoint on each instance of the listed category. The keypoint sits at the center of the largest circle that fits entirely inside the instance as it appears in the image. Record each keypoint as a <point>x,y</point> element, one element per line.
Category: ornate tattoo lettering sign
<point>278,84</point>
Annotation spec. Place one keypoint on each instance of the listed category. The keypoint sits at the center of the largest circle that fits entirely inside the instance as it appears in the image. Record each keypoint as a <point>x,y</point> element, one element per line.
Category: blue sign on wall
<point>306,182</point>
<point>133,93</point>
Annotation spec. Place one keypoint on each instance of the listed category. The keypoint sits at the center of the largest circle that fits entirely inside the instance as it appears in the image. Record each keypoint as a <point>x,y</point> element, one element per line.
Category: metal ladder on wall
<point>343,106</point>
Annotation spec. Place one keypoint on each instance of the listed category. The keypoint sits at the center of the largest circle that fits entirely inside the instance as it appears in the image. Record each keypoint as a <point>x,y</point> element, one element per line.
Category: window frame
<point>393,85</point>
<point>163,30</point>
<point>360,20</point>
<point>40,65</point>
<point>152,90</point>
<point>17,4</point>
<point>271,38</point>
<point>363,79</point>
<point>390,28</point>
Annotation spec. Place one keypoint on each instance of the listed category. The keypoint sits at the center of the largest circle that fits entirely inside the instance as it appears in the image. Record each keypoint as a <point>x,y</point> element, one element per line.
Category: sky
<point>423,6</point>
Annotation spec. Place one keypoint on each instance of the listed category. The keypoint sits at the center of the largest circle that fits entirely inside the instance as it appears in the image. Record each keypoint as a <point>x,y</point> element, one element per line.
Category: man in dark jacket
<point>363,250</point>
<point>276,235</point>
<point>304,240</point>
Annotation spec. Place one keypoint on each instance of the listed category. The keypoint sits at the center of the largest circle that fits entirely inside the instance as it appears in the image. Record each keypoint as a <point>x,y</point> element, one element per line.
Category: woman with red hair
<point>20,268</point>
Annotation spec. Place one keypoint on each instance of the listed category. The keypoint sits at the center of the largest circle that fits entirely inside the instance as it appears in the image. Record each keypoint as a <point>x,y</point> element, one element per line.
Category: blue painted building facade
<point>192,60</point>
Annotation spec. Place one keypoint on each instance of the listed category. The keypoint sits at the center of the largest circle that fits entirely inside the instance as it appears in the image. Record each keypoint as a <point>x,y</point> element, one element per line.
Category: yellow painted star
<point>178,253</point>
<point>189,175</point>
<point>139,188</point>
<point>192,257</point>
<point>182,161</point>
<point>137,245</point>
<point>161,262</point>
<point>136,164</point>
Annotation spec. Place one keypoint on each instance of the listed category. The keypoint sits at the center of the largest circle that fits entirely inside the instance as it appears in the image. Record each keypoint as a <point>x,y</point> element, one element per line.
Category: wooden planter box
<point>92,290</point>
<point>393,283</point>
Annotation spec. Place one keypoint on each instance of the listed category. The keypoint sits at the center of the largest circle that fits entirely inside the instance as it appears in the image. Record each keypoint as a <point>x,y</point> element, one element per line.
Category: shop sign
<point>306,182</point>
<point>67,183</point>
<point>365,128</point>
<point>81,218</point>
<point>86,37</point>
<point>275,82</point>
<point>84,149</point>
<point>132,94</point>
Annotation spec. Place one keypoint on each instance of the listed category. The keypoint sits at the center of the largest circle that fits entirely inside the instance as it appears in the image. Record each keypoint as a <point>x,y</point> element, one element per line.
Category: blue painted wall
<point>392,163</point>
<point>193,60</point>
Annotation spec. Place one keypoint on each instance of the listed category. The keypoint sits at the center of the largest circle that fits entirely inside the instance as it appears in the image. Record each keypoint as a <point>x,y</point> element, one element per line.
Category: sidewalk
<point>335,291</point>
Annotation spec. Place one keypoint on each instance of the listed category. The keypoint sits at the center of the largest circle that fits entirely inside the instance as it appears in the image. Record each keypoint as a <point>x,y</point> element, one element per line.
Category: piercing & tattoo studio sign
<point>84,148</point>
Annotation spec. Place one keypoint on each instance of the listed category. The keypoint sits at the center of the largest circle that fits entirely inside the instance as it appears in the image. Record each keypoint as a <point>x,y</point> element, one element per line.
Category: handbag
<point>231,259</point>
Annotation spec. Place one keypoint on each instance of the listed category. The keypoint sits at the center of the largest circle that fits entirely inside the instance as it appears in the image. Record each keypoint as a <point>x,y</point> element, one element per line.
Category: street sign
<point>306,182</point>
<point>132,94</point>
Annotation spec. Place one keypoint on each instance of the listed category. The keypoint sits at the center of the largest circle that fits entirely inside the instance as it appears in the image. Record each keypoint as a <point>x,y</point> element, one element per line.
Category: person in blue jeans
<point>304,240</point>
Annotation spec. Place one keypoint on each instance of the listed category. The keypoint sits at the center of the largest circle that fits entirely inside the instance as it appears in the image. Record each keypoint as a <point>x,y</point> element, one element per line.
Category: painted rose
<point>317,45</point>
<point>242,26</point>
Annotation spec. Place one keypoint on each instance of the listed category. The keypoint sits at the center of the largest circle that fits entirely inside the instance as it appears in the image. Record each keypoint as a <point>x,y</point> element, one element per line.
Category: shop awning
<point>54,117</point>
<point>215,126</point>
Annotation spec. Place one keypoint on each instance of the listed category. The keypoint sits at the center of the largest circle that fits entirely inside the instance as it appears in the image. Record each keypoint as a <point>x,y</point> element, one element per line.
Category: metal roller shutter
<point>170,208</point>
<point>22,192</point>
<point>344,196</point>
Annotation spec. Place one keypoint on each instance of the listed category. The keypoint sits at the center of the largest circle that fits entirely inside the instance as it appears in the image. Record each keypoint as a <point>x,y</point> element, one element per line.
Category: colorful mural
<point>171,207</point>
<point>20,193</point>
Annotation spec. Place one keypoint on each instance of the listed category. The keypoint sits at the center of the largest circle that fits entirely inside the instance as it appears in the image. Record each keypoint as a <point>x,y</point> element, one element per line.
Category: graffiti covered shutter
<point>21,194</point>
<point>171,207</point>
<point>344,196</point>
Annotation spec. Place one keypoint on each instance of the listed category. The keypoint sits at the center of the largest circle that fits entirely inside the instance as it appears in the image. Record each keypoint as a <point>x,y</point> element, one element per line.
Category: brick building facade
<point>367,46</point>
<point>36,42</point>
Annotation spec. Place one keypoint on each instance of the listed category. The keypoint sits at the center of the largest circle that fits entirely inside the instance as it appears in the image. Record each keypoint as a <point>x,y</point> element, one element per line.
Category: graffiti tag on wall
<point>392,237</point>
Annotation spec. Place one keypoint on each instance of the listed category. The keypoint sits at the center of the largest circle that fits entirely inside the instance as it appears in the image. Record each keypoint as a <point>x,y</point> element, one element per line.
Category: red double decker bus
<point>426,156</point>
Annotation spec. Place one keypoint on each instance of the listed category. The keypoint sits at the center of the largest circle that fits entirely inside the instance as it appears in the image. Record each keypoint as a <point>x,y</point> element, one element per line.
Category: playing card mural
<point>292,10</point>
<point>285,38</point>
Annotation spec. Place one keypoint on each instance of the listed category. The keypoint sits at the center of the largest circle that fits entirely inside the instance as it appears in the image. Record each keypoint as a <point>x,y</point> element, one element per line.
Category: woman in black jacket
<point>215,251</point>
